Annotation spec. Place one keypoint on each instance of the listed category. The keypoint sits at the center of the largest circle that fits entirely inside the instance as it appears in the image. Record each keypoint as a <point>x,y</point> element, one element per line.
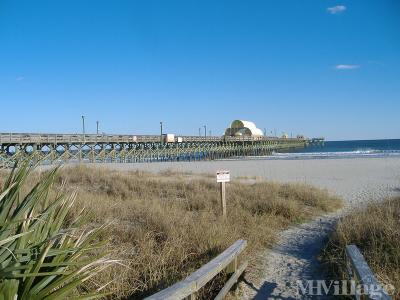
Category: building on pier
<point>243,128</point>
<point>285,135</point>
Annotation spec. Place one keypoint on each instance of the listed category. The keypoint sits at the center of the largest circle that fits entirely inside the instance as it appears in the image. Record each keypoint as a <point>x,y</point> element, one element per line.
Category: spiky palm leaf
<point>40,257</point>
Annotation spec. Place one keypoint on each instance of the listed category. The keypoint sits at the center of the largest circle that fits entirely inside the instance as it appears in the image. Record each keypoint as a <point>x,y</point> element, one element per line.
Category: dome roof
<point>241,127</point>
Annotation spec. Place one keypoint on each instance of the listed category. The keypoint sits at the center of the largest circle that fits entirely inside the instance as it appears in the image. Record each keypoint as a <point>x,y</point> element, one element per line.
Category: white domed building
<point>243,128</point>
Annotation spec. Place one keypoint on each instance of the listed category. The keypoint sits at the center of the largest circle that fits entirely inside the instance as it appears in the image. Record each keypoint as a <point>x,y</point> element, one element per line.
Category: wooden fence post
<point>191,297</point>
<point>232,267</point>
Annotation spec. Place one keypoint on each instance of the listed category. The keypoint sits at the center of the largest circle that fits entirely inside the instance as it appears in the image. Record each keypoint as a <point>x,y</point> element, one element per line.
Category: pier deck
<point>62,148</point>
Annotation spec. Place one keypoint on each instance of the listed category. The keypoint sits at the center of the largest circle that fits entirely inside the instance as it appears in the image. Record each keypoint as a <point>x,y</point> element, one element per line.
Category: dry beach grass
<point>375,230</point>
<point>164,226</point>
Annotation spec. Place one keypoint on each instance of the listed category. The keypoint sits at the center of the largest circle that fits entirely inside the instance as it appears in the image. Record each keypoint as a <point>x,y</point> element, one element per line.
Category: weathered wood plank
<point>199,278</point>
<point>232,280</point>
<point>363,273</point>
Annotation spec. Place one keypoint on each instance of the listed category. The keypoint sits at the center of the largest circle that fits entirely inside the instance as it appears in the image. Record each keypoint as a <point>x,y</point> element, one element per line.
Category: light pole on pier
<point>205,131</point>
<point>83,127</point>
<point>83,142</point>
<point>97,127</point>
<point>199,131</point>
<point>161,133</point>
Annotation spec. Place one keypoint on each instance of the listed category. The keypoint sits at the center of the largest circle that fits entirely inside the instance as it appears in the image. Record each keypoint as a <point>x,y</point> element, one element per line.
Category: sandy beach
<point>355,179</point>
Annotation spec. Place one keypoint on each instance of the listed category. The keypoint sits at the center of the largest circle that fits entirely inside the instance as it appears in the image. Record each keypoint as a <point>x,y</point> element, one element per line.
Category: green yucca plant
<point>41,257</point>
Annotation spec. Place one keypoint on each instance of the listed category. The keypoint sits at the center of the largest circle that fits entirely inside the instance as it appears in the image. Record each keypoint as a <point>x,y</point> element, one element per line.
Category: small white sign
<point>223,176</point>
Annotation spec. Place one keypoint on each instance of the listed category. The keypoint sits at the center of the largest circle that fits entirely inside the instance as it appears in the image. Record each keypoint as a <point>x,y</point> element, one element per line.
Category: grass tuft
<point>375,230</point>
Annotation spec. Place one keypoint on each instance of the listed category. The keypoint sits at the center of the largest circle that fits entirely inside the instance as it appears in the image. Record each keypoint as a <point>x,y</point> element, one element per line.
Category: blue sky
<point>321,68</point>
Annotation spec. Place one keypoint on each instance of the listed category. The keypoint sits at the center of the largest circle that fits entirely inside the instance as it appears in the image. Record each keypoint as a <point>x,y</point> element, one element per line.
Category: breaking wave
<point>342,154</point>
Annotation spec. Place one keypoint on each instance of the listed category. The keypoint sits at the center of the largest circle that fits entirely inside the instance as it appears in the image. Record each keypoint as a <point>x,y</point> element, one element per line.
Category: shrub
<point>41,254</point>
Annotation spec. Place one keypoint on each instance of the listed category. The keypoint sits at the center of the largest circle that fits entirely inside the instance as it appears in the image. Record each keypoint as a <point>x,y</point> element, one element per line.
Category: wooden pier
<point>63,148</point>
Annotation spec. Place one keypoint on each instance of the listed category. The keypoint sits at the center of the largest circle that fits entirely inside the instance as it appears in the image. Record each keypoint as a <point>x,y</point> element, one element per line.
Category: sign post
<point>222,178</point>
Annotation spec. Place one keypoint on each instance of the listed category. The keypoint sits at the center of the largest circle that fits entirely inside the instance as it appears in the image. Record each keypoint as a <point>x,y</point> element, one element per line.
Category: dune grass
<point>375,230</point>
<point>164,226</point>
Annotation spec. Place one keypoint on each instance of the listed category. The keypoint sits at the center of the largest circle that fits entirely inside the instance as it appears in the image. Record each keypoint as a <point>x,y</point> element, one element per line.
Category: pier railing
<point>359,271</point>
<point>189,287</point>
<point>54,138</point>
<point>104,148</point>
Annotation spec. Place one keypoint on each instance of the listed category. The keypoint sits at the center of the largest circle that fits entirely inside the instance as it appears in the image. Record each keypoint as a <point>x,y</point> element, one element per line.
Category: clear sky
<point>321,68</point>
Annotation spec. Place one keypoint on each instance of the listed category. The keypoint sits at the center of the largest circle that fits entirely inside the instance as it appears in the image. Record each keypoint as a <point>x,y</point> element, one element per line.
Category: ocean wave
<point>341,154</point>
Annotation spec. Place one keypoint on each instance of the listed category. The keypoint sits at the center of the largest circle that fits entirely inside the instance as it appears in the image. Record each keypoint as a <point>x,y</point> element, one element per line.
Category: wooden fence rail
<point>360,272</point>
<point>188,288</point>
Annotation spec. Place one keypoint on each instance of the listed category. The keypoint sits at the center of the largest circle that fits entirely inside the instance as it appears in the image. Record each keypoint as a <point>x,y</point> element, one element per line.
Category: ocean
<point>343,149</point>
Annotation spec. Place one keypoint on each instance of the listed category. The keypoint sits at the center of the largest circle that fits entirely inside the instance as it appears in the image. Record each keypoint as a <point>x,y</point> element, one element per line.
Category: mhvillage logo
<point>343,288</point>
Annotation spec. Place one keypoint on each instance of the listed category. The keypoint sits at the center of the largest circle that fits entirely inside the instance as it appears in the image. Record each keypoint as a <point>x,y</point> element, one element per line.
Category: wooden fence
<point>188,288</point>
<point>360,272</point>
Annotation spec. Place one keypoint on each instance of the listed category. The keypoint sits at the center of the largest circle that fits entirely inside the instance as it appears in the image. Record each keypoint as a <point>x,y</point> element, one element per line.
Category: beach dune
<point>294,257</point>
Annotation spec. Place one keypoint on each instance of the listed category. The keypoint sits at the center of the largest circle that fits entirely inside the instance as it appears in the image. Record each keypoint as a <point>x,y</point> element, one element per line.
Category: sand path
<point>356,180</point>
